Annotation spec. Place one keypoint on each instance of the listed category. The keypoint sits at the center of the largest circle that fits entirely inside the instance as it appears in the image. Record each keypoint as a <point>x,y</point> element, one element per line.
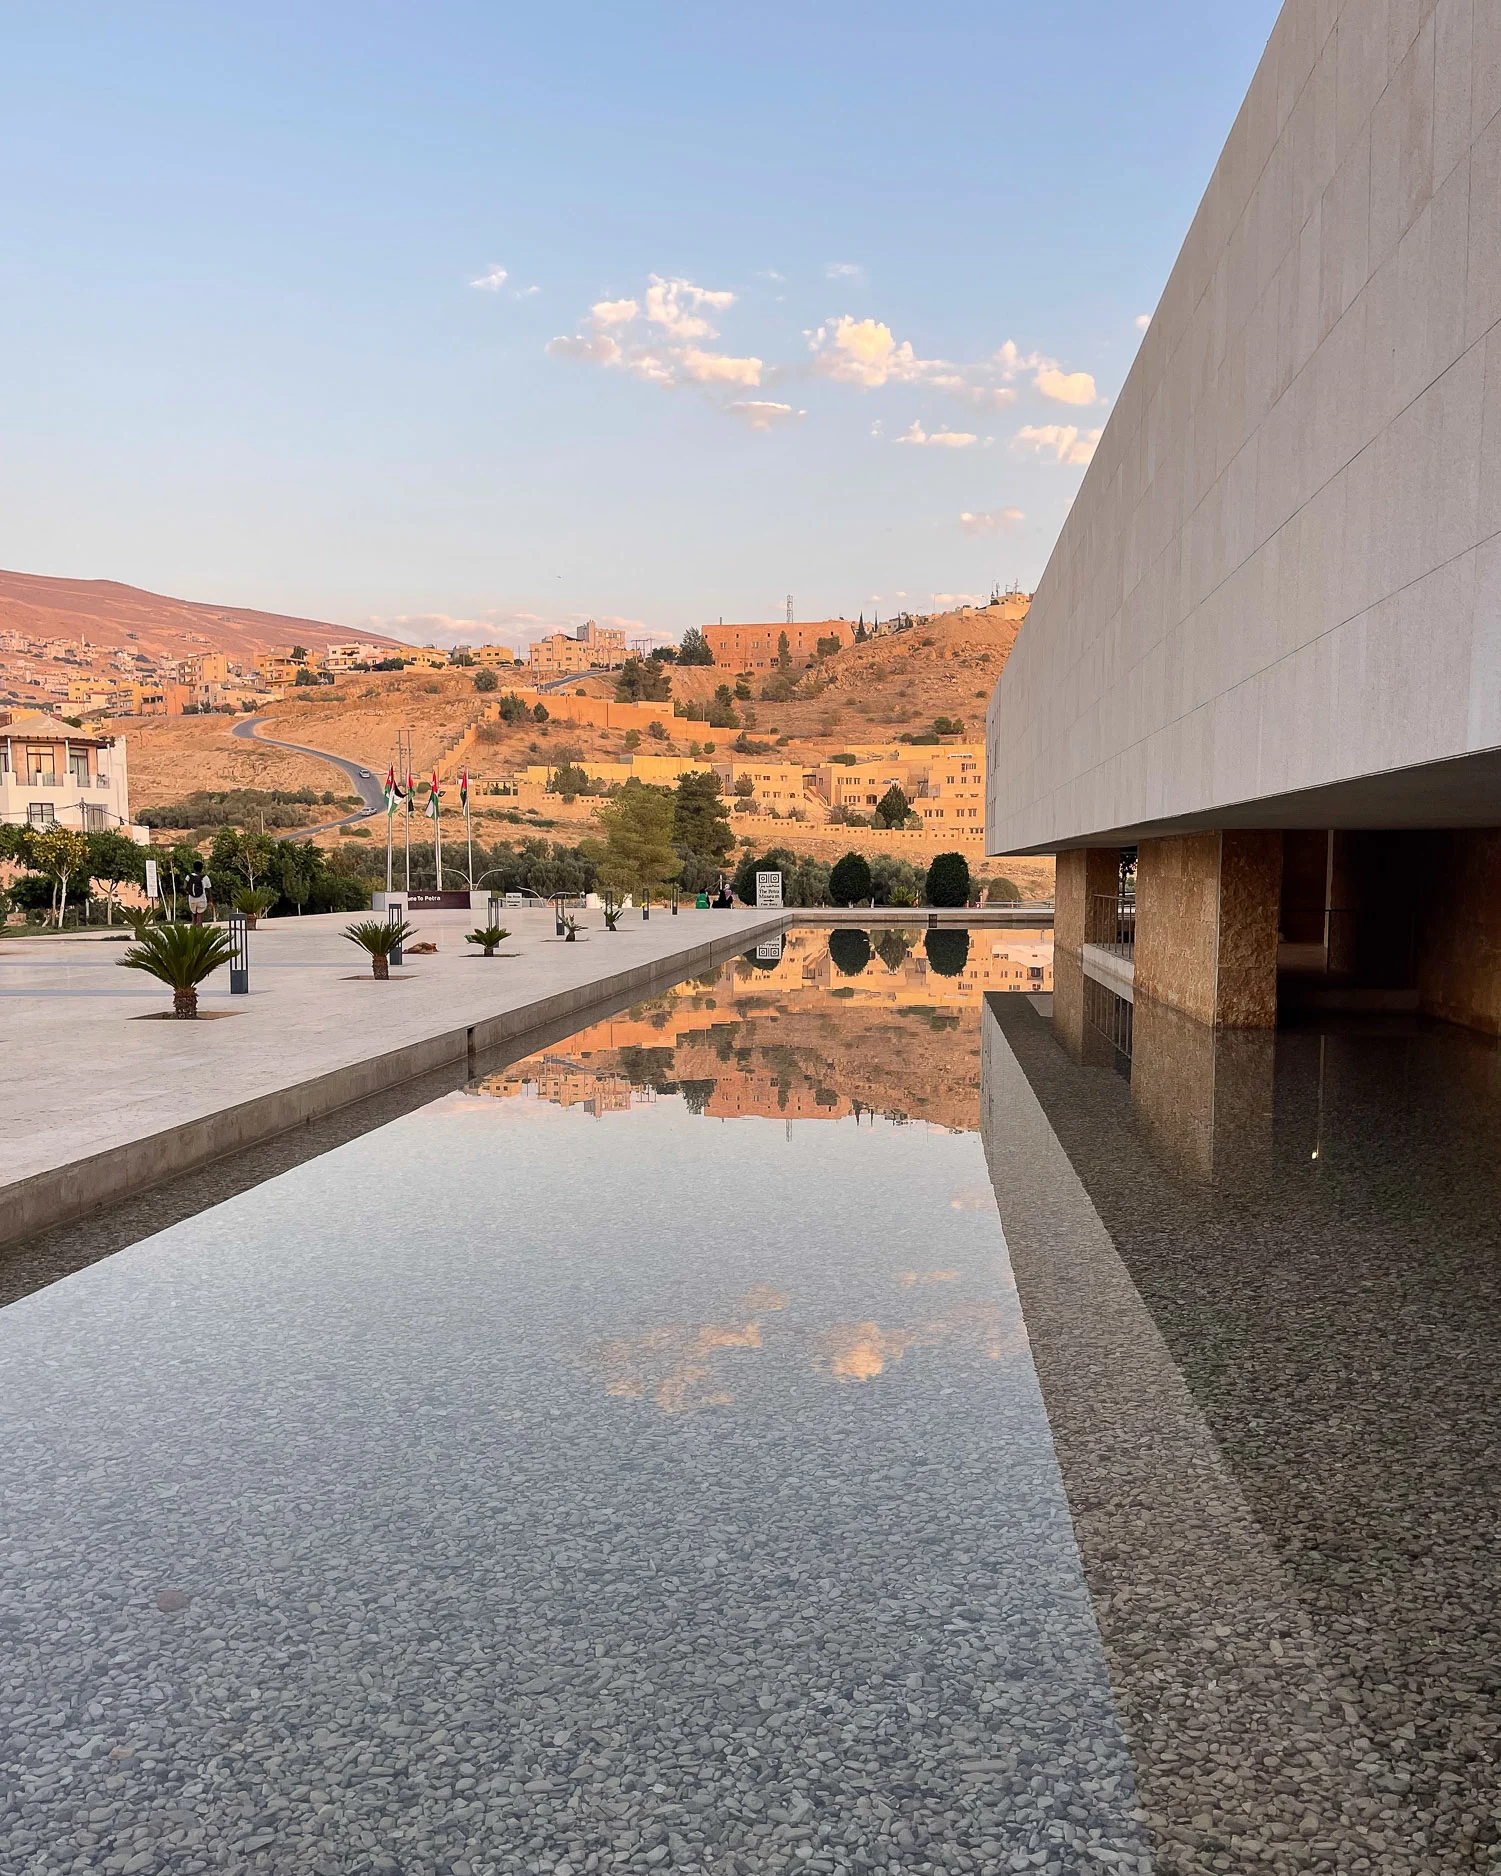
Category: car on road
<point>365,775</point>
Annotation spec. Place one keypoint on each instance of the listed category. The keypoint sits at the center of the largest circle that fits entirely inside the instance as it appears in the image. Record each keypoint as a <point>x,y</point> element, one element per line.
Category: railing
<point>1111,923</point>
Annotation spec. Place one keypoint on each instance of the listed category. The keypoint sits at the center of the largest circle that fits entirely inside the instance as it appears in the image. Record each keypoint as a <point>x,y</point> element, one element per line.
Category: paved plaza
<point>120,1099</point>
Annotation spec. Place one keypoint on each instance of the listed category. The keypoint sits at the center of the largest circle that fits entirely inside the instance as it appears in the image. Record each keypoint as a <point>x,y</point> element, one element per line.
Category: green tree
<point>299,654</point>
<point>849,951</point>
<point>540,713</point>
<point>893,807</point>
<point>892,948</point>
<point>850,882</point>
<point>642,681</point>
<point>485,680</point>
<point>1004,891</point>
<point>695,648</point>
<point>306,677</point>
<point>784,653</point>
<point>115,859</point>
<point>894,881</point>
<point>698,824</point>
<point>948,880</point>
<point>297,871</point>
<point>948,951</point>
<point>61,855</point>
<point>639,854</point>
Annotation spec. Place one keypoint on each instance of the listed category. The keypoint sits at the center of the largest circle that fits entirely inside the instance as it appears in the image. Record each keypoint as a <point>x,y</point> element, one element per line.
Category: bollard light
<point>239,961</point>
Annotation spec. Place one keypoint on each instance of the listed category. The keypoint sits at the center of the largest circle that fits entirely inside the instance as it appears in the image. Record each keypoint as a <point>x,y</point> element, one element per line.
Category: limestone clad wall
<point>1283,569</point>
<point>1082,875</point>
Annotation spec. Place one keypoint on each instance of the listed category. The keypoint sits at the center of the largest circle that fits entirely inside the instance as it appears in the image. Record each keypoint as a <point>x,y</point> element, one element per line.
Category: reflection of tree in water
<point>696,1094</point>
<point>948,951</point>
<point>647,1068</point>
<point>892,948</point>
<point>849,951</point>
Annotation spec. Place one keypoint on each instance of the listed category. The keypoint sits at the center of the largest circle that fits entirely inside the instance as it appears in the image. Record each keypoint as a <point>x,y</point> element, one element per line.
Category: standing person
<point>200,891</point>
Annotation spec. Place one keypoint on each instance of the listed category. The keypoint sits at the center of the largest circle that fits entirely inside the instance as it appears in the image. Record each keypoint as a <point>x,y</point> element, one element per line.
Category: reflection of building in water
<point>776,1037</point>
<point>1260,1285</point>
<point>774,1097</point>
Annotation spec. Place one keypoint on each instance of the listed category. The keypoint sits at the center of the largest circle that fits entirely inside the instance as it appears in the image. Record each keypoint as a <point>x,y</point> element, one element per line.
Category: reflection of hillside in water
<point>816,1026</point>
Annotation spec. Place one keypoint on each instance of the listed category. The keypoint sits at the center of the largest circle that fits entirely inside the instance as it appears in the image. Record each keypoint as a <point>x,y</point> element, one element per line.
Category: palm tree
<point>488,937</point>
<point>380,937</point>
<point>181,956</point>
<point>253,902</point>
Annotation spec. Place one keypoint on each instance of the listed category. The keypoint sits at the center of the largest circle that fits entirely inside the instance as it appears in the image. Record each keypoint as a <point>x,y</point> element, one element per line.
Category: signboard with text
<point>769,892</point>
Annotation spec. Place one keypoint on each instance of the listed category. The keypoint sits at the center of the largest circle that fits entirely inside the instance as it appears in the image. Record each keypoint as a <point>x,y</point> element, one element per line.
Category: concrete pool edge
<point>71,1189</point>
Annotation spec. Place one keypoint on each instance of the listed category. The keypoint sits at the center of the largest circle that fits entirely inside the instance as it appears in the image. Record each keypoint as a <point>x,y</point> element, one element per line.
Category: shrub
<point>485,680</point>
<point>380,937</point>
<point>850,882</point>
<point>1004,892</point>
<point>948,880</point>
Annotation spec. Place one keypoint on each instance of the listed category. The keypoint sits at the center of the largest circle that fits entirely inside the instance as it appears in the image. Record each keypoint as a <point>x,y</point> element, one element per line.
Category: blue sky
<point>763,268</point>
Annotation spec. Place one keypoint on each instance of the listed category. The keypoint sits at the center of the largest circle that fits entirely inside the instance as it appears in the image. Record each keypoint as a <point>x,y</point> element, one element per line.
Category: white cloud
<point>935,439</point>
<point>865,352</point>
<point>491,280</point>
<point>992,521</point>
<point>719,368</point>
<point>676,306</point>
<point>844,270</point>
<point>613,312</point>
<point>950,602</point>
<point>1065,387</point>
<point>762,414</point>
<point>597,347</point>
<point>1143,320</point>
<point>1065,441</point>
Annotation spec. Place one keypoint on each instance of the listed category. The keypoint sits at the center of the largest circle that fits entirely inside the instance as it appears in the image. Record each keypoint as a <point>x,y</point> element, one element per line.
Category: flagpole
<point>407,817</point>
<point>432,800</point>
<point>468,829</point>
<point>390,811</point>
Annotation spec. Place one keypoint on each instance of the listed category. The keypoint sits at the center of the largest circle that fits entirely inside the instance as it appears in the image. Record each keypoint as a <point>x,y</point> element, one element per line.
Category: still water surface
<point>645,1458</point>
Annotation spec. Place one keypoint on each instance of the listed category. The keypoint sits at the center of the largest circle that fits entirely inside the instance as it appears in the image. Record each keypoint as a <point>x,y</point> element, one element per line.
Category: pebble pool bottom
<point>639,1460</point>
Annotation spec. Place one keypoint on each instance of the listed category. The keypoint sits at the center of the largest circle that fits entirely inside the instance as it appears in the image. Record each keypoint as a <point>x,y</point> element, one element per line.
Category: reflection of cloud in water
<point>979,1201</point>
<point>910,1279</point>
<point>669,1365</point>
<point>859,1351</point>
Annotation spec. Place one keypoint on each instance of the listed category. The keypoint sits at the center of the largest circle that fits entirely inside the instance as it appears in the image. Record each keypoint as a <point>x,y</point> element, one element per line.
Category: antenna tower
<point>789,608</point>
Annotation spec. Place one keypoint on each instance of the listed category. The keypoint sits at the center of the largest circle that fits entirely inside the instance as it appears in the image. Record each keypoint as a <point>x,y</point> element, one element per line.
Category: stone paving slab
<point>102,1104</point>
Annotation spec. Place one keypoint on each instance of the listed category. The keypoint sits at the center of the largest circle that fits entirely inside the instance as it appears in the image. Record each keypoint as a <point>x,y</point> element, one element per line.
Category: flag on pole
<point>393,790</point>
<point>464,789</point>
<point>431,810</point>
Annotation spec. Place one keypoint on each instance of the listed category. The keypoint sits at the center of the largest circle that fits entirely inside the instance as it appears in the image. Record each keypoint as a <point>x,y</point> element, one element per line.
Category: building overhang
<point>1461,791</point>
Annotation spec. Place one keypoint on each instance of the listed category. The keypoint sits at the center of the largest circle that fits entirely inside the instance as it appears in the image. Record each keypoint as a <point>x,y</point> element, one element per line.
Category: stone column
<point>1083,873</point>
<point>1206,925</point>
<point>1459,927</point>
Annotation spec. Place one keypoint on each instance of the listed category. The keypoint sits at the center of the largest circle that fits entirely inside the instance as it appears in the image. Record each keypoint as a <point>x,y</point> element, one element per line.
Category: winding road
<point>367,783</point>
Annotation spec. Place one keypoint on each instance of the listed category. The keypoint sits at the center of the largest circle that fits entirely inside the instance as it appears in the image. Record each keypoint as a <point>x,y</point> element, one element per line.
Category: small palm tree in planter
<point>612,914</point>
<point>570,930</point>
<point>487,937</point>
<point>253,902</point>
<point>180,956</point>
<point>380,937</point>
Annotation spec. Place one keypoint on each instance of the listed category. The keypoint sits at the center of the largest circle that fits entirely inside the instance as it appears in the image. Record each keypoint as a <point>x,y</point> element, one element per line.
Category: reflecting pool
<point>857,1411</point>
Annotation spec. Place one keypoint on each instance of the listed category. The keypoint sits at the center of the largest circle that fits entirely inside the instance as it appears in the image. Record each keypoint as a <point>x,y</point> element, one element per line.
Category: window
<point>39,769</point>
<point>78,766</point>
<point>40,814</point>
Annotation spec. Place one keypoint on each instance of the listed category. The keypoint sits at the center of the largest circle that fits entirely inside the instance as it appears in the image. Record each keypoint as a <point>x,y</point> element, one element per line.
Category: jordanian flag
<point>464,789</point>
<point>431,810</point>
<point>393,790</point>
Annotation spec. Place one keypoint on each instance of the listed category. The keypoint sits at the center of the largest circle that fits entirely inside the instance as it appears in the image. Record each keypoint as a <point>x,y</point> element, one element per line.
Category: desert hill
<point>113,617</point>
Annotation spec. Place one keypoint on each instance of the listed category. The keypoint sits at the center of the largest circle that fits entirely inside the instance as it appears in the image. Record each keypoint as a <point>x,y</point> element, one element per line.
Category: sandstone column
<point>1206,925</point>
<point>1083,873</point>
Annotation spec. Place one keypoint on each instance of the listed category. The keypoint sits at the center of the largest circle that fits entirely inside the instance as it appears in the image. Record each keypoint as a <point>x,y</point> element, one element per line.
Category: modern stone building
<point>1267,649</point>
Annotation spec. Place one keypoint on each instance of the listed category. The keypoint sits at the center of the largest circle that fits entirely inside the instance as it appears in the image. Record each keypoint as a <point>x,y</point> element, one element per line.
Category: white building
<point>52,775</point>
